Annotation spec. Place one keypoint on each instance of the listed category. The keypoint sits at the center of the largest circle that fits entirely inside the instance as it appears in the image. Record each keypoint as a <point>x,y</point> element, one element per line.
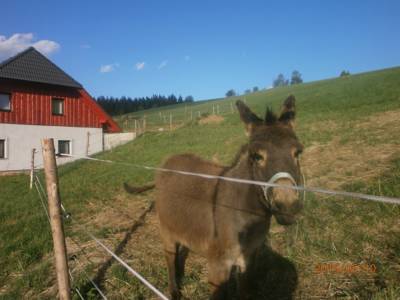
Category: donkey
<point>227,222</point>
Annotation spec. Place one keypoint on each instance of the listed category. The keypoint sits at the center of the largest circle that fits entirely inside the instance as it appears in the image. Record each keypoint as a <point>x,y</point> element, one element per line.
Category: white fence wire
<point>375,198</point>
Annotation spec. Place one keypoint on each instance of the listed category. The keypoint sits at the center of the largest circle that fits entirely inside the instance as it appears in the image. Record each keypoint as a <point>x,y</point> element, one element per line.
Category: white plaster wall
<point>112,140</point>
<point>22,138</point>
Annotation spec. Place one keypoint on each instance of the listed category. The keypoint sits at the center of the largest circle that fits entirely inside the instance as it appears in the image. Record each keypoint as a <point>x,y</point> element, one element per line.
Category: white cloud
<point>85,46</point>
<point>108,68</point>
<point>163,64</point>
<point>140,65</point>
<point>20,41</point>
<point>186,58</point>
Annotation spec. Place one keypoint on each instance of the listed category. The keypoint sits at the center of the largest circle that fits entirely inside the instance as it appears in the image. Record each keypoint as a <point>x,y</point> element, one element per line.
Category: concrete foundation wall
<point>20,139</point>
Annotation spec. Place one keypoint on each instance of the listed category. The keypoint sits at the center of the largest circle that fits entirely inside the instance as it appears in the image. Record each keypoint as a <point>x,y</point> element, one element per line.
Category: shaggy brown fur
<point>224,221</point>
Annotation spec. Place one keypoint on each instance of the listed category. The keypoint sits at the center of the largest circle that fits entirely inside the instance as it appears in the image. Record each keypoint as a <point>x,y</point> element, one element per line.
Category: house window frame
<point>9,100</point>
<point>70,146</point>
<point>62,100</point>
<point>5,139</point>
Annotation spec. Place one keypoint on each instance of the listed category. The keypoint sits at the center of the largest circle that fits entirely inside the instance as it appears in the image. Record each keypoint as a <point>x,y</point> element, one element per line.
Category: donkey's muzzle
<point>286,203</point>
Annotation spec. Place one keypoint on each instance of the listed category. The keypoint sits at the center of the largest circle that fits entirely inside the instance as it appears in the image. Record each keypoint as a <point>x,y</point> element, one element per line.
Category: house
<point>39,100</point>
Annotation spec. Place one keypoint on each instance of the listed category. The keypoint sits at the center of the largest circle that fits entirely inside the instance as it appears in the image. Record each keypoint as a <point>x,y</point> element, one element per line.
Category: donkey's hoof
<point>176,295</point>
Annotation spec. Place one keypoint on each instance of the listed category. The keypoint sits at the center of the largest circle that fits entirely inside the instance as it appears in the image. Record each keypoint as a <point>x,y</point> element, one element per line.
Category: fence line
<point>42,195</point>
<point>124,264</point>
<point>116,257</point>
<point>91,281</point>
<point>383,199</point>
<point>76,289</point>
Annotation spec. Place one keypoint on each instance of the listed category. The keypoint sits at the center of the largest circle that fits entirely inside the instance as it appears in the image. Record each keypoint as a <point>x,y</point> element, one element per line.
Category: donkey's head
<point>273,155</point>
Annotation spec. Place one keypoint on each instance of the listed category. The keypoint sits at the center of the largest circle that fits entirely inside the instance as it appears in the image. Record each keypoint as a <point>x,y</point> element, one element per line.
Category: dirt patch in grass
<point>332,165</point>
<point>387,118</point>
<point>340,162</point>
<point>211,119</point>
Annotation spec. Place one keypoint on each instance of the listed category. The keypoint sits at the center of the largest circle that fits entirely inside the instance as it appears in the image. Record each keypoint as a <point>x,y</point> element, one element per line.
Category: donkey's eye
<point>257,157</point>
<point>298,152</point>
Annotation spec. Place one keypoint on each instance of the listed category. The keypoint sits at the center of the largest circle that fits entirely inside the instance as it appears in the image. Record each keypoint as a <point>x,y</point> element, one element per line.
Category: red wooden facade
<point>31,103</point>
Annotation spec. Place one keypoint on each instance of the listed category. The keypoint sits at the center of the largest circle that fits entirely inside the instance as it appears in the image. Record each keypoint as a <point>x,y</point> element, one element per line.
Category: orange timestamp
<point>340,267</point>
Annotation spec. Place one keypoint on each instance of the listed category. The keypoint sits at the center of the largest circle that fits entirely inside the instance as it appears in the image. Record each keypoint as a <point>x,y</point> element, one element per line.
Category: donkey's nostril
<point>279,206</point>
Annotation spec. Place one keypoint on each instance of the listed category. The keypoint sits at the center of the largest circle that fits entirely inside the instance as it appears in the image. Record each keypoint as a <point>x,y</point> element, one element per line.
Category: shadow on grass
<point>101,273</point>
<point>270,276</point>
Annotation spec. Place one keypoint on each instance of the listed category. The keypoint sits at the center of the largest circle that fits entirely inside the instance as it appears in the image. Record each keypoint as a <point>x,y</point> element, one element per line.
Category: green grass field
<point>351,129</point>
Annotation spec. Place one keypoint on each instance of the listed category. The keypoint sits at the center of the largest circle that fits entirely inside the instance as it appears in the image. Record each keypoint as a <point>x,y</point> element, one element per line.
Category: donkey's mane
<point>270,117</point>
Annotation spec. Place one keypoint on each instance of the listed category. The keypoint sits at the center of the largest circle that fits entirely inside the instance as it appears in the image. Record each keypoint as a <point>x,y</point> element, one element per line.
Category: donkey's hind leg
<point>182,254</point>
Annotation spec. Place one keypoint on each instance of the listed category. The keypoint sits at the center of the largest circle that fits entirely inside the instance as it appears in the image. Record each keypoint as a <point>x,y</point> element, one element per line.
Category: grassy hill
<point>351,129</point>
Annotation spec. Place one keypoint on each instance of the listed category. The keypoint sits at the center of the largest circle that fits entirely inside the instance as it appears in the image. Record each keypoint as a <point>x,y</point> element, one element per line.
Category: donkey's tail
<point>138,189</point>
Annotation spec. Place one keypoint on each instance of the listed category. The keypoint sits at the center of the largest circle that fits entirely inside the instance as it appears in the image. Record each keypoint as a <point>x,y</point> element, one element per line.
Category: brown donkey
<point>225,221</point>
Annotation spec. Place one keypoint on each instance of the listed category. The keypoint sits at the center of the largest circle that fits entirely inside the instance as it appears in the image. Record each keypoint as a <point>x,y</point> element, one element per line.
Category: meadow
<point>340,248</point>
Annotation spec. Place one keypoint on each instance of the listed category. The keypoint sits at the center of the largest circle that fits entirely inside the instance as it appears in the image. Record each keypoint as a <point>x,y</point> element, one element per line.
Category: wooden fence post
<point>136,128</point>
<point>232,111</point>
<point>170,121</point>
<point>144,124</point>
<point>32,168</point>
<point>57,230</point>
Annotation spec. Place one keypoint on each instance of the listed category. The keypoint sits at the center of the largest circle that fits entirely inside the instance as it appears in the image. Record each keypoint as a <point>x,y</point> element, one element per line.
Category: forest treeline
<point>118,106</point>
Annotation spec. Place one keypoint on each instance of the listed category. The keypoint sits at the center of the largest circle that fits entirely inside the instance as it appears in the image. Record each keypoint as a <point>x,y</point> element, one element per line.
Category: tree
<point>344,73</point>
<point>230,93</point>
<point>189,99</point>
<point>280,81</point>
<point>255,89</point>
<point>248,91</point>
<point>296,78</point>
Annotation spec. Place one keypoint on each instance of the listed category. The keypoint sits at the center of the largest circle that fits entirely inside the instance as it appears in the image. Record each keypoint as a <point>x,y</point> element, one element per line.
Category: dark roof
<point>31,65</point>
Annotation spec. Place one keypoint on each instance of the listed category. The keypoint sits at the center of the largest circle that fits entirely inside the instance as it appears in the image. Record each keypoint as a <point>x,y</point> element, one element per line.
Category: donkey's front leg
<point>171,257</point>
<point>218,278</point>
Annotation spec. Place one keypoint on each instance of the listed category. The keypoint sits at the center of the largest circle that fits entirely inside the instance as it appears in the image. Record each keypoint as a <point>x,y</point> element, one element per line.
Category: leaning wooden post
<point>57,230</point>
<point>32,168</point>
<point>136,133</point>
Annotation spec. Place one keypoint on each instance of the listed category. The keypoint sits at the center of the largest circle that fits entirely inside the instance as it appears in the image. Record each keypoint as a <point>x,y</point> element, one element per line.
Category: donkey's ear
<point>249,118</point>
<point>288,111</point>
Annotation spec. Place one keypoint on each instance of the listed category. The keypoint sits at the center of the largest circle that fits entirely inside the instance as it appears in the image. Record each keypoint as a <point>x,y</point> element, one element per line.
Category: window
<point>3,148</point>
<point>57,106</point>
<point>5,102</point>
<point>64,147</point>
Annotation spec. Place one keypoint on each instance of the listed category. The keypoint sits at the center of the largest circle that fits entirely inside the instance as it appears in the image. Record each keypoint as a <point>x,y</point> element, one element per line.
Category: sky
<point>202,48</point>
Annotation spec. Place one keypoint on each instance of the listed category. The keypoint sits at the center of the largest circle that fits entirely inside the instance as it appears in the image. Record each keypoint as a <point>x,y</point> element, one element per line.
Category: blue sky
<point>202,48</point>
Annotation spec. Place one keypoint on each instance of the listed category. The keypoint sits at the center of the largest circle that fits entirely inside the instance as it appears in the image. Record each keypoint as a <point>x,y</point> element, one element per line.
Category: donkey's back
<point>184,203</point>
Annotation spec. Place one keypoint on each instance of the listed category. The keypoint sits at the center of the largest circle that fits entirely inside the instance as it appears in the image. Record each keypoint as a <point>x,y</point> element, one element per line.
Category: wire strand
<point>383,199</point>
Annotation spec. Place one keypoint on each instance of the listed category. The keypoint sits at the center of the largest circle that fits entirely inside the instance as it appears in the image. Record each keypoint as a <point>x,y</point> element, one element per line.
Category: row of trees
<point>281,81</point>
<point>123,105</point>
